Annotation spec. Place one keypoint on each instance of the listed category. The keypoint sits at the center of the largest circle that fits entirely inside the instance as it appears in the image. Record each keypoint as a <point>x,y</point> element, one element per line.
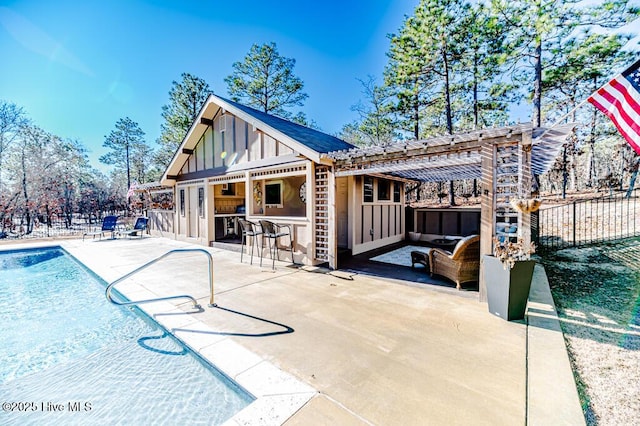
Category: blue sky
<point>76,67</point>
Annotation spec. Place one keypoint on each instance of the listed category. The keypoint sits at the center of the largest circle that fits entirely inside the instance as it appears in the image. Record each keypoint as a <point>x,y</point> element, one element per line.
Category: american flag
<point>131,190</point>
<point>619,99</point>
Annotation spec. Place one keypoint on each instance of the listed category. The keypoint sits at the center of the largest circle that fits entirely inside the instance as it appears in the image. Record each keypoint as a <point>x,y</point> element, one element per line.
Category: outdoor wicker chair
<point>462,265</point>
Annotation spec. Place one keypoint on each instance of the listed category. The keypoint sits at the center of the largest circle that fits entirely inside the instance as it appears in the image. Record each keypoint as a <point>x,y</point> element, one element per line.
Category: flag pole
<point>564,117</point>
<point>561,119</point>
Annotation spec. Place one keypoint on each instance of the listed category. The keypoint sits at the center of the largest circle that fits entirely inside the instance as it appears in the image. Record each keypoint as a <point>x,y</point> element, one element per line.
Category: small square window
<point>273,194</point>
<point>384,190</point>
<point>396,192</point>
<point>367,189</point>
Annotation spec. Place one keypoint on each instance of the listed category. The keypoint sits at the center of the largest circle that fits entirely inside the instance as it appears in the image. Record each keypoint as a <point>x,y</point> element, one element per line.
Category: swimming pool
<point>70,357</point>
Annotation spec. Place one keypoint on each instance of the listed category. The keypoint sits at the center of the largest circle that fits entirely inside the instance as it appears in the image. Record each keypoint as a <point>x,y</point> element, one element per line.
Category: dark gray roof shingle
<point>313,139</point>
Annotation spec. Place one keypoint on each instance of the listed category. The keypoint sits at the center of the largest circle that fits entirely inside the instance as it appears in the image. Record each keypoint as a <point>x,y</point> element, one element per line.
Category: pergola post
<point>333,229</point>
<point>524,181</point>
<point>487,209</point>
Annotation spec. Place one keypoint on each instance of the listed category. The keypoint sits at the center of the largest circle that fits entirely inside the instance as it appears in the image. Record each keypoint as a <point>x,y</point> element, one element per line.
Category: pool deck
<point>336,347</point>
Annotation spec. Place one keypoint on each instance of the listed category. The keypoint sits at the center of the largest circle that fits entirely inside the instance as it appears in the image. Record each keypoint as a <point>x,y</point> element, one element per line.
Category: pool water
<point>70,357</point>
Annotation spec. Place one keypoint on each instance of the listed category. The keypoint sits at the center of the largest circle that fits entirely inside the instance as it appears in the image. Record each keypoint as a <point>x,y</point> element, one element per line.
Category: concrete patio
<point>352,348</point>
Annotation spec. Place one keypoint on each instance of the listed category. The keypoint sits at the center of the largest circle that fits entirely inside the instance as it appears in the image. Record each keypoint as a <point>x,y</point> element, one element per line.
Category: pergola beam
<point>465,156</point>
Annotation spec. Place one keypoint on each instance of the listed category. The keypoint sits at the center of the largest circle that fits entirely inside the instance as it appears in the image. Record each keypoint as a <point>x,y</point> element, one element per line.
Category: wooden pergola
<point>504,159</point>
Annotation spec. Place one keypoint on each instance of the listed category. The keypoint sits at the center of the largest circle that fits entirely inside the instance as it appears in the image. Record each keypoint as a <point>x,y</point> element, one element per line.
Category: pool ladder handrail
<point>151,262</point>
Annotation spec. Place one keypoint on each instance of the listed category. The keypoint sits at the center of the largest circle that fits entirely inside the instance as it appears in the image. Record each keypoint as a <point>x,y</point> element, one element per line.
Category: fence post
<point>574,224</point>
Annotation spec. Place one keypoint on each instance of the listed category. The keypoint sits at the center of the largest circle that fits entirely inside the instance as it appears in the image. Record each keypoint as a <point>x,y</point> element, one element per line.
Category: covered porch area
<point>504,161</point>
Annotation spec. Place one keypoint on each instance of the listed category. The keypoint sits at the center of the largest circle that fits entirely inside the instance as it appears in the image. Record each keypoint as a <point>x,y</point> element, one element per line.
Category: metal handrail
<point>184,296</point>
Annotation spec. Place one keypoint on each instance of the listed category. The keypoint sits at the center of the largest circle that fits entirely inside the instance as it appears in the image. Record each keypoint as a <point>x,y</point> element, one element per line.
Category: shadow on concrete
<point>286,328</point>
<point>595,292</point>
<point>361,264</point>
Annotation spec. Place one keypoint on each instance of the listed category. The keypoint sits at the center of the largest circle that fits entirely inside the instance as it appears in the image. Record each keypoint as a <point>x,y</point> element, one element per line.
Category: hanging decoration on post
<point>257,193</point>
<point>528,200</point>
<point>526,205</point>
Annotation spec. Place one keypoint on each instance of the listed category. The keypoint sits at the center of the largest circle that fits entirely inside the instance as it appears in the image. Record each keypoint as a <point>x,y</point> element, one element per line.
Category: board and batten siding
<point>376,223</point>
<point>238,142</point>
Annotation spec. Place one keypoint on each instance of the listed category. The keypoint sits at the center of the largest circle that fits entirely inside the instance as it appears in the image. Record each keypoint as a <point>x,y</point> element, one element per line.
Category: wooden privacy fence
<point>586,222</point>
<point>161,221</point>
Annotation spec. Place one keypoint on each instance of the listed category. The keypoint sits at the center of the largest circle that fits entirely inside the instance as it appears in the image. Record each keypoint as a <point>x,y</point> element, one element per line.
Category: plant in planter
<point>508,275</point>
<point>509,252</point>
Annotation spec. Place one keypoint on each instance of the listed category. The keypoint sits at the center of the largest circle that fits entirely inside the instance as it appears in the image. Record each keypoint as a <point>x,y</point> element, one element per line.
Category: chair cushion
<point>462,242</point>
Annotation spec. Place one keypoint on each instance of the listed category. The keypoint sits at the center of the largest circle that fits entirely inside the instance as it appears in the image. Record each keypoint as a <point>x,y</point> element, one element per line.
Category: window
<point>182,202</point>
<point>368,189</point>
<point>201,202</point>
<point>396,192</point>
<point>228,189</point>
<point>384,190</point>
<point>273,194</point>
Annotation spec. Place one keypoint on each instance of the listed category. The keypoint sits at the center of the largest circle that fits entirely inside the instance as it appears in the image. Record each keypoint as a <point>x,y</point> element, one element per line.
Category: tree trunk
<point>632,182</point>
<point>452,196</point>
<point>25,193</point>
<point>564,172</point>
<point>622,164</point>
<point>592,141</point>
<point>476,112</point>
<point>447,89</point>
<point>536,118</point>
<point>447,95</point>
<point>416,118</point>
<point>128,167</point>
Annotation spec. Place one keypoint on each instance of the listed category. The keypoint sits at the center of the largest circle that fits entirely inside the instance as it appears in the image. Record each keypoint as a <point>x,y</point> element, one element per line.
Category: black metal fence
<point>56,226</point>
<point>586,222</point>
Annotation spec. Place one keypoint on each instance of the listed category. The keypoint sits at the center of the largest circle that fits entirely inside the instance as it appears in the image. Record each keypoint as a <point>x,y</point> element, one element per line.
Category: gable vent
<point>222,122</point>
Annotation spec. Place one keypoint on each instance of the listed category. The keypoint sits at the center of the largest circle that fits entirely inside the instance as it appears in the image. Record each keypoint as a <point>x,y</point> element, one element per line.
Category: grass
<point>597,293</point>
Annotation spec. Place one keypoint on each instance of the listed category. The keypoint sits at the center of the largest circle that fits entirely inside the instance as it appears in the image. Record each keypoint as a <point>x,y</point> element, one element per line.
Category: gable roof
<point>303,140</point>
<point>314,139</point>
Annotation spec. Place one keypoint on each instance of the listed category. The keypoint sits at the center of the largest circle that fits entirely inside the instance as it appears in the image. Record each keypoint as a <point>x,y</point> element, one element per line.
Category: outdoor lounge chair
<point>140,226</point>
<point>108,225</point>
<point>462,265</point>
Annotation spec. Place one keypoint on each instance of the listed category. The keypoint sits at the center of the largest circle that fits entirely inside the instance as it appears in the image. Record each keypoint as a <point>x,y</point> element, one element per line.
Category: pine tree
<point>376,126</point>
<point>538,25</point>
<point>265,80</point>
<point>583,64</point>
<point>127,147</point>
<point>186,98</point>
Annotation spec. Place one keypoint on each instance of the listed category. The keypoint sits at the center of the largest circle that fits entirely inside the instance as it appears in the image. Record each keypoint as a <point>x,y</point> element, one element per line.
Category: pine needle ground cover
<point>597,293</point>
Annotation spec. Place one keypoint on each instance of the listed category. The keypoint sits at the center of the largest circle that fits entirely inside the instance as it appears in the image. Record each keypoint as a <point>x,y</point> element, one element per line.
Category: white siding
<point>208,149</point>
<point>200,154</point>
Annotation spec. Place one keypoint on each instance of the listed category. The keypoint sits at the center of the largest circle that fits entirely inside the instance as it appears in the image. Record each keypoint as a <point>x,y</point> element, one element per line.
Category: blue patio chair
<point>140,226</point>
<point>108,225</point>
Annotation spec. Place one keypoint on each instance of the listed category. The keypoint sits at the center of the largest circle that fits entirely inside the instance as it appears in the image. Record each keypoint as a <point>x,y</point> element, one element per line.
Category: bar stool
<point>273,231</point>
<point>249,229</point>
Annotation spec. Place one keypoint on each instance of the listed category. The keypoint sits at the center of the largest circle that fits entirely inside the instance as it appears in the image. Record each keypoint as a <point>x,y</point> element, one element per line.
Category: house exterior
<point>238,162</point>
